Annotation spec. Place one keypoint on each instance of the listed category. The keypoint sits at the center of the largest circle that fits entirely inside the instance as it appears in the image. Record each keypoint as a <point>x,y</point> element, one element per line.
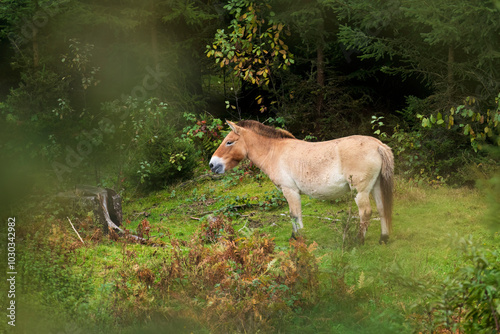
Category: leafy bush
<point>251,46</point>
<point>468,300</point>
<point>443,146</point>
<point>433,154</point>
<point>430,155</point>
<point>205,134</point>
<point>162,160</point>
<point>155,156</point>
<point>480,125</point>
<point>241,282</point>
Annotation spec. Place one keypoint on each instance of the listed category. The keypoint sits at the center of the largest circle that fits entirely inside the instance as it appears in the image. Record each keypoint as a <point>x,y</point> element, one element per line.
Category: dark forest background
<point>130,94</point>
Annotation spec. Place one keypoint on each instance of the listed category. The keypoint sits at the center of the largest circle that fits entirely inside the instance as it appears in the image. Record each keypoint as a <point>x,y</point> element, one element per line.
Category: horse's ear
<point>234,127</point>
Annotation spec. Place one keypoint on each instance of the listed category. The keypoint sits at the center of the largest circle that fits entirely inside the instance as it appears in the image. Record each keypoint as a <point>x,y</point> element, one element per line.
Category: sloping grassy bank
<point>110,285</point>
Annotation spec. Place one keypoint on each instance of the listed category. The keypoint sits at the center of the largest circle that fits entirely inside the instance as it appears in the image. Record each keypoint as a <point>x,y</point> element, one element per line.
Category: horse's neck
<point>263,152</point>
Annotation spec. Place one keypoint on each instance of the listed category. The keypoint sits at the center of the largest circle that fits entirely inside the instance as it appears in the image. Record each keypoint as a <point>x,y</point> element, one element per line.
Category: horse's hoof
<point>384,239</point>
<point>361,238</point>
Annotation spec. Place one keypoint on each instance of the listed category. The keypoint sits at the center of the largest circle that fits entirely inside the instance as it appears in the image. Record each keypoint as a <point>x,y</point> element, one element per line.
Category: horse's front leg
<point>293,198</point>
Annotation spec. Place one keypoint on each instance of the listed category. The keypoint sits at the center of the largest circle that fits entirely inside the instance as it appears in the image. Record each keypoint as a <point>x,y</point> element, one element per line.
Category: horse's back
<point>328,169</point>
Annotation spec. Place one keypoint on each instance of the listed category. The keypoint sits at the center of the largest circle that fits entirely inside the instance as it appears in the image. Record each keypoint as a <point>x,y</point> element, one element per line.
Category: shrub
<point>443,144</point>
<point>205,134</point>
<point>162,161</point>
<point>480,125</point>
<point>155,156</point>
<point>433,154</point>
<point>430,155</point>
<point>468,300</point>
<point>243,282</point>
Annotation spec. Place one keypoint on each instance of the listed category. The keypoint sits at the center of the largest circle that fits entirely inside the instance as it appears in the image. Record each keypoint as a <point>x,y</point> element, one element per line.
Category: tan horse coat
<point>324,170</point>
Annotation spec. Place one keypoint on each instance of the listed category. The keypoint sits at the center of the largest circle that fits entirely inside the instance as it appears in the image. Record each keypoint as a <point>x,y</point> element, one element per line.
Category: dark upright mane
<point>265,130</point>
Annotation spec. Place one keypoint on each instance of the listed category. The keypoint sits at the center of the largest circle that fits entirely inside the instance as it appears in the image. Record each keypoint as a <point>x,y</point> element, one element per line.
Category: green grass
<point>363,288</point>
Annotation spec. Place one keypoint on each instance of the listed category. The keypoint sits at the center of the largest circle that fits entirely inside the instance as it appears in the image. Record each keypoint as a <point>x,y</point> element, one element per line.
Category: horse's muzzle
<point>216,165</point>
<point>219,169</point>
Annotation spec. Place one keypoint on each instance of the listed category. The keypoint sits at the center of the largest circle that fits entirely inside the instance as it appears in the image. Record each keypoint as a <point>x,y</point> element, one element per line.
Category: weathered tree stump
<point>105,203</point>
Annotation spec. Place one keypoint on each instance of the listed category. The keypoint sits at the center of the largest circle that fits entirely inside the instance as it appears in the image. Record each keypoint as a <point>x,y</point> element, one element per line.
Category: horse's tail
<point>387,182</point>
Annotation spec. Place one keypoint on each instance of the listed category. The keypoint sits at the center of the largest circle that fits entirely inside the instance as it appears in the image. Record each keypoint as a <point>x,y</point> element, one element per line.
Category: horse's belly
<point>325,189</point>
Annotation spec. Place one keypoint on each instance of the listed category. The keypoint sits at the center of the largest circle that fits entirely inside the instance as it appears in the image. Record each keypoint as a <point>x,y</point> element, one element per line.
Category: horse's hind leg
<point>365,211</point>
<point>377,195</point>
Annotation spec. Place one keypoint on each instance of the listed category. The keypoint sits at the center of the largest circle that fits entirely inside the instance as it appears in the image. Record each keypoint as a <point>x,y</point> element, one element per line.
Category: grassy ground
<point>363,289</point>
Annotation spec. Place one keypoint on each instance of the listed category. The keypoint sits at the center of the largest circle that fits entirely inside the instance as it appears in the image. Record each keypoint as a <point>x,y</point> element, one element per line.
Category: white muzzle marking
<point>217,165</point>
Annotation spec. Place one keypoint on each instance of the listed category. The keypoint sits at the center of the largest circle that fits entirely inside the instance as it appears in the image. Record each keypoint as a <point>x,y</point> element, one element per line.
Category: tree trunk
<point>34,41</point>
<point>450,77</point>
<point>320,76</point>
<point>36,56</point>
<point>154,42</point>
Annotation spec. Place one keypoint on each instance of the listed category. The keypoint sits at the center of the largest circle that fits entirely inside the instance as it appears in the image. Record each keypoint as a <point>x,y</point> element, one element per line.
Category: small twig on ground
<point>138,214</point>
<point>245,226</point>
<point>74,229</point>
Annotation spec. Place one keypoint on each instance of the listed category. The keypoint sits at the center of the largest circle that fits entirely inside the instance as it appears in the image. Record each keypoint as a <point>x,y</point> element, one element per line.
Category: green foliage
<point>194,14</point>
<point>167,160</point>
<point>253,48</point>
<point>79,60</point>
<point>468,299</point>
<point>237,283</point>
<point>44,265</point>
<point>442,44</point>
<point>206,134</point>
<point>427,154</point>
<point>482,127</point>
<point>155,158</point>
<point>427,145</point>
<point>38,115</point>
<point>244,281</point>
<point>377,123</point>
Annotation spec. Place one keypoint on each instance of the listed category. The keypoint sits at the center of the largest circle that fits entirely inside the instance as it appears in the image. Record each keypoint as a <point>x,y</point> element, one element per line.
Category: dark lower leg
<point>384,239</point>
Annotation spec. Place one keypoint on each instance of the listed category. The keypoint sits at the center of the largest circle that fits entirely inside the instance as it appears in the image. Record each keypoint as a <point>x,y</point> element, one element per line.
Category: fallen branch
<point>232,207</point>
<point>74,229</point>
<point>318,217</point>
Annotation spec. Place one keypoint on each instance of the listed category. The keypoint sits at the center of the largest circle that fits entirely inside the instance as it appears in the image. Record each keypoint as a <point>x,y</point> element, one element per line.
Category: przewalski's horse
<point>324,170</point>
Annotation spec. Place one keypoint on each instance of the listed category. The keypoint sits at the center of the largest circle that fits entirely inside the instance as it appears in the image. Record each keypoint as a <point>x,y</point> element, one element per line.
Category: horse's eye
<point>229,143</point>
